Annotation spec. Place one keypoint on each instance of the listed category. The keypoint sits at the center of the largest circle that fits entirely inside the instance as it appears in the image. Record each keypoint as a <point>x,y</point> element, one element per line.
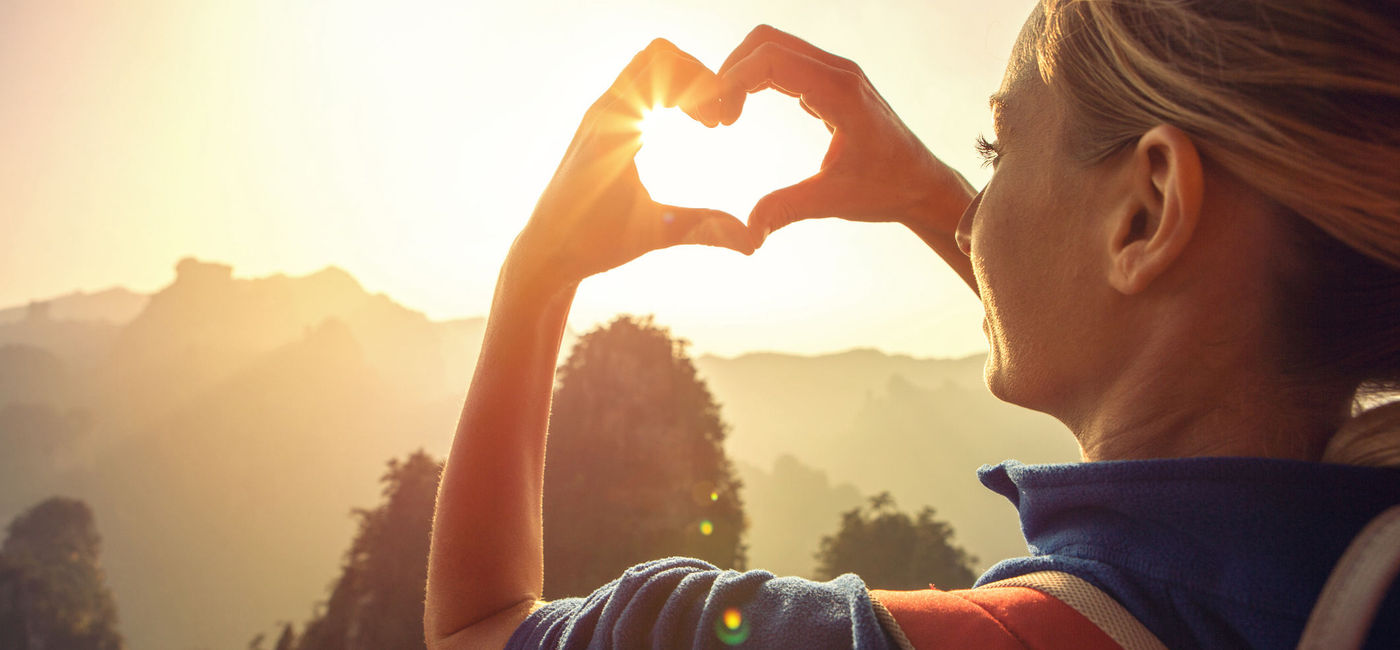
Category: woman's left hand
<point>595,214</point>
<point>487,555</point>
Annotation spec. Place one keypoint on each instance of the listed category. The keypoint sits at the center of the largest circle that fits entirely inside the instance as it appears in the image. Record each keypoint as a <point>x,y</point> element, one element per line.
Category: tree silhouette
<point>891,550</point>
<point>635,466</point>
<point>378,600</point>
<point>52,590</point>
<point>287,640</point>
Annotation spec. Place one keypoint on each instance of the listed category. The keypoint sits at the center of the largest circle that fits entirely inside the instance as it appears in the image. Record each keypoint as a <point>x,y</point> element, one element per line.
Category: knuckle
<point>767,49</point>
<point>847,65</point>
<point>847,79</point>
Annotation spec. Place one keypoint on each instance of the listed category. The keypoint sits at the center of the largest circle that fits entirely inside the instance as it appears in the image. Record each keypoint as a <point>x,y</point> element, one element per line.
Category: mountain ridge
<point>250,415</point>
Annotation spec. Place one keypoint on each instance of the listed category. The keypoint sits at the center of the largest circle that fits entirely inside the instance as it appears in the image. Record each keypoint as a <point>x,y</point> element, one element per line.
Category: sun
<point>774,144</point>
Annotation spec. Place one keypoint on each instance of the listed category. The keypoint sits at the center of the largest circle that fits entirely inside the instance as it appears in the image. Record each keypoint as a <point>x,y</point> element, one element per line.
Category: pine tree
<point>378,600</point>
<point>288,638</point>
<point>52,590</point>
<point>635,466</point>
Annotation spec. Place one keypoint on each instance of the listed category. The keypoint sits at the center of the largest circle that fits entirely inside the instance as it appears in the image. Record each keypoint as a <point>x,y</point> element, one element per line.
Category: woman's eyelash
<point>988,151</point>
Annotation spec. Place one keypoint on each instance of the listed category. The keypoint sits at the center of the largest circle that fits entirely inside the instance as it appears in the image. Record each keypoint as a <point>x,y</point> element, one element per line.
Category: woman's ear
<point>1165,191</point>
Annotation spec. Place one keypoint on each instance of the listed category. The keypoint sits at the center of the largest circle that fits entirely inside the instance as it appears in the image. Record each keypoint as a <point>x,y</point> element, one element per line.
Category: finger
<point>666,81</point>
<point>805,107</point>
<point>729,105</point>
<point>697,100</point>
<point>828,91</point>
<point>769,34</point>
<point>701,226</point>
<point>669,79</point>
<point>660,75</point>
<point>816,197</point>
<point>639,61</point>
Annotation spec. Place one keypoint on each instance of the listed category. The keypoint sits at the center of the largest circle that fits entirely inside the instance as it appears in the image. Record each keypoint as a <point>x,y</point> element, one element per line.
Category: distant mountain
<point>923,444</point>
<point>224,433</point>
<point>239,500</point>
<point>32,374</point>
<point>78,327</point>
<point>784,401</point>
<point>918,428</point>
<point>790,507</point>
<point>207,324</point>
<point>81,343</point>
<point>116,306</point>
<point>42,424</point>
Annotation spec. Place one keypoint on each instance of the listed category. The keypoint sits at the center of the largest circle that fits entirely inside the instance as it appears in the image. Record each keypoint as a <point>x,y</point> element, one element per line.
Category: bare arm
<point>485,563</point>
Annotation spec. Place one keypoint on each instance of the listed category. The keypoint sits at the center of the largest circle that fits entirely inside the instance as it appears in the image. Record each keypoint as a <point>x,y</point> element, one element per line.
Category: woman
<point>1189,253</point>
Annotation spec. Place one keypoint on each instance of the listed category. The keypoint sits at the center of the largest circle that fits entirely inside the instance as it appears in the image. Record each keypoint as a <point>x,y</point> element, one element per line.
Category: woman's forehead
<point>1027,104</point>
<point>1024,59</point>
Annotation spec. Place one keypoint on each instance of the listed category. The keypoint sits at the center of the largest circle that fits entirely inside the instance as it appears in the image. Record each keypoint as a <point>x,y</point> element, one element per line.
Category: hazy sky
<point>406,142</point>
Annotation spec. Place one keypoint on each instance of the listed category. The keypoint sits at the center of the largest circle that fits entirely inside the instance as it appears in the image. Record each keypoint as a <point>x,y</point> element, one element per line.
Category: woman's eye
<point>988,151</point>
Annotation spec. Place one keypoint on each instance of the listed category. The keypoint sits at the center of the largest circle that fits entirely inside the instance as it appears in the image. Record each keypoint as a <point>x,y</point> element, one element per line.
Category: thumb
<point>811,198</point>
<point>702,226</point>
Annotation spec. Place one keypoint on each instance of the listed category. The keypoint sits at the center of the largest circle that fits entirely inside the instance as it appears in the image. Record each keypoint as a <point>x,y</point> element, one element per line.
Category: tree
<point>52,590</point>
<point>287,640</point>
<point>378,600</point>
<point>891,550</point>
<point>635,466</point>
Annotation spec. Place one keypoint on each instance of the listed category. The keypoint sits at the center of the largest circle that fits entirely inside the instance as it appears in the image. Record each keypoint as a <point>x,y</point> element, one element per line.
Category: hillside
<point>224,433</point>
<point>116,306</point>
<point>918,428</point>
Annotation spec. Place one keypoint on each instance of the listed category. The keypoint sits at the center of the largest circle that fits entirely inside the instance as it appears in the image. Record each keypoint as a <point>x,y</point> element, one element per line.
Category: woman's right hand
<point>595,214</point>
<point>875,169</point>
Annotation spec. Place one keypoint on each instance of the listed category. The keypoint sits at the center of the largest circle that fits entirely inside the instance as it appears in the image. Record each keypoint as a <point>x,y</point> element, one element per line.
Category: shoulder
<point>1040,610</point>
<point>684,602</point>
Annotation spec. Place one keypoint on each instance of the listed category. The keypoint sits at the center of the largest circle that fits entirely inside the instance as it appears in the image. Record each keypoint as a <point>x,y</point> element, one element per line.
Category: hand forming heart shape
<point>595,214</point>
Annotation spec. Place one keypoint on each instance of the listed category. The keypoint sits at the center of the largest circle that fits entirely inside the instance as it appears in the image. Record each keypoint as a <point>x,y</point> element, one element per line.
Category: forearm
<point>487,545</point>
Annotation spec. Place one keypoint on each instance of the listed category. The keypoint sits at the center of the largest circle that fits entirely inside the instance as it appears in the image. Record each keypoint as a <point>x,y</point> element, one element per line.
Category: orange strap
<point>1010,618</point>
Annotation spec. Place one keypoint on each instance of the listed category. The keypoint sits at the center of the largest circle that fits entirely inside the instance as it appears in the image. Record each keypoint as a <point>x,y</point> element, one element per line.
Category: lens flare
<point>706,528</point>
<point>731,628</point>
<point>701,492</point>
<point>714,496</point>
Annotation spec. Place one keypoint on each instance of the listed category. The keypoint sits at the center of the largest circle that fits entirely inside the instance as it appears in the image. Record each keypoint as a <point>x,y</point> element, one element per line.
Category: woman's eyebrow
<point>998,102</point>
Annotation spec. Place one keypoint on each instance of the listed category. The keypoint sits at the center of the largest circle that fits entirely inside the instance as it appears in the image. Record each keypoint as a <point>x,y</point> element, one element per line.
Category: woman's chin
<point>1012,387</point>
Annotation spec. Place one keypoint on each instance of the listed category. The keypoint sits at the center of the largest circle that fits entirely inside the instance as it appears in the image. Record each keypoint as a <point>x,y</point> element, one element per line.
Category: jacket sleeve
<point>682,602</point>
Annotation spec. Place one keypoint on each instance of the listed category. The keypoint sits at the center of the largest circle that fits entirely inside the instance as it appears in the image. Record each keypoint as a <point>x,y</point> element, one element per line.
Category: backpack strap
<point>1044,611</point>
<point>1091,603</point>
<point>891,626</point>
<point>1358,584</point>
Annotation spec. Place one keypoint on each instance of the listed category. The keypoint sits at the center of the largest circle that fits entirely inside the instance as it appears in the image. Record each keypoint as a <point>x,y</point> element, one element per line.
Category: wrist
<point>533,277</point>
<point>936,214</point>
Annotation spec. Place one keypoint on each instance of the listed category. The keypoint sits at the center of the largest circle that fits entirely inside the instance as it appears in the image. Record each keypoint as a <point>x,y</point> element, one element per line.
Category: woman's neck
<point>1171,401</point>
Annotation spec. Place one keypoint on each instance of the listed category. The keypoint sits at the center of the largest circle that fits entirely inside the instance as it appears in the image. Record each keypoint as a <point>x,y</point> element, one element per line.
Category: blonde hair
<point>1298,98</point>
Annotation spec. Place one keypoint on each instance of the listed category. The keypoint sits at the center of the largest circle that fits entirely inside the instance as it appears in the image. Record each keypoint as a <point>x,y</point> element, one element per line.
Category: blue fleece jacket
<point>1206,552</point>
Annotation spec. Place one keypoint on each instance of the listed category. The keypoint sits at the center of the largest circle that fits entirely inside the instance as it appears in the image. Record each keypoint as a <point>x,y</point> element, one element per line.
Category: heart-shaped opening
<point>773,144</point>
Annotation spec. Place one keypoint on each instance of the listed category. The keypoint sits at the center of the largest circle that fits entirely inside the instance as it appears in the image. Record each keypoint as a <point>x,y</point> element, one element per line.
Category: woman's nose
<point>964,232</point>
